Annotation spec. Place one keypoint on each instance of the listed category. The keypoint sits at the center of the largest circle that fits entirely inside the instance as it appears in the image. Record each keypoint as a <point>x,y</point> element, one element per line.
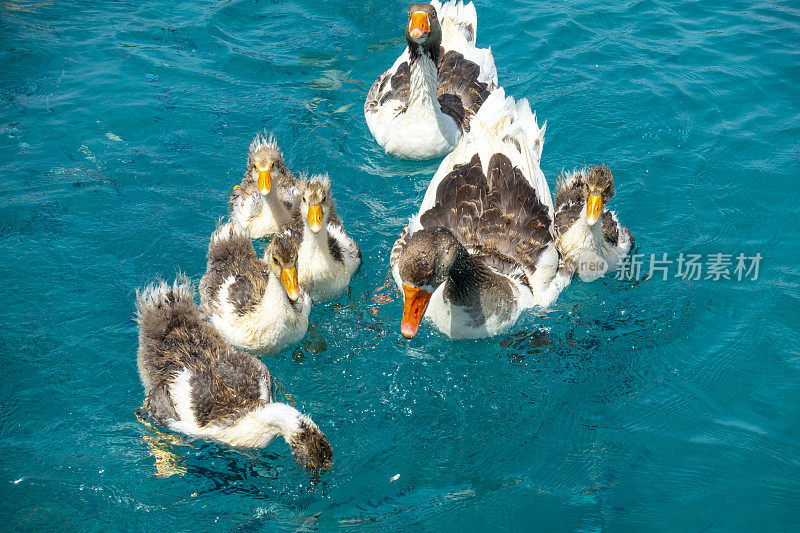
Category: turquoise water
<point>666,405</point>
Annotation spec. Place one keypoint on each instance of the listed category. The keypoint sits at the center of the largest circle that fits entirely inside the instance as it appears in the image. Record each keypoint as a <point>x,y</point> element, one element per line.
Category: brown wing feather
<point>460,93</point>
<point>234,255</point>
<point>172,336</point>
<point>498,216</point>
<point>229,385</point>
<point>390,86</point>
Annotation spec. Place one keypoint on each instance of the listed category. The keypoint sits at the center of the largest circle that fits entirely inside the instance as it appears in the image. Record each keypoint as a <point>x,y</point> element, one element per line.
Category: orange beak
<point>264,181</point>
<point>413,309</point>
<point>289,280</point>
<point>593,208</point>
<point>315,217</point>
<point>418,26</point>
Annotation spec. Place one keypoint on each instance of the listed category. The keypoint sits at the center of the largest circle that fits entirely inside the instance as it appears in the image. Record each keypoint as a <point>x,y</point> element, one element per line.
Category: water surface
<point>667,405</point>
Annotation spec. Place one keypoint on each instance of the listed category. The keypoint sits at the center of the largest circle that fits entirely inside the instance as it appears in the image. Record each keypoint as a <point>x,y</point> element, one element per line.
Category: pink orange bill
<point>419,25</point>
<point>416,301</point>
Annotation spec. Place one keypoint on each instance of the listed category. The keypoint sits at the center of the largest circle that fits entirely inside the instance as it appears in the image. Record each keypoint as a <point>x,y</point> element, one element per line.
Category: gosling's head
<point>423,28</point>
<point>310,448</point>
<point>265,162</point>
<point>282,258</point>
<point>598,191</point>
<point>316,205</point>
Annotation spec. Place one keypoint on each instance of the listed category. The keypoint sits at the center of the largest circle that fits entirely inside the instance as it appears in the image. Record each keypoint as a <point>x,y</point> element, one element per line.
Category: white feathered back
<point>505,126</point>
<point>462,15</point>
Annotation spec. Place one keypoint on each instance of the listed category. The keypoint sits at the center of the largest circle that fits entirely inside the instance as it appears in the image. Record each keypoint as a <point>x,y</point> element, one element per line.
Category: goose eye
<point>323,199</point>
<point>305,200</point>
<point>429,273</point>
<point>271,164</point>
<point>275,259</point>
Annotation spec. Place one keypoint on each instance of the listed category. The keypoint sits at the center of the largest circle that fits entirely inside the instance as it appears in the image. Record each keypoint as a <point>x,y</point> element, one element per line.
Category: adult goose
<point>263,202</point>
<point>198,385</point>
<point>255,304</point>
<point>327,257</point>
<point>481,249</point>
<point>591,240</point>
<point>419,108</point>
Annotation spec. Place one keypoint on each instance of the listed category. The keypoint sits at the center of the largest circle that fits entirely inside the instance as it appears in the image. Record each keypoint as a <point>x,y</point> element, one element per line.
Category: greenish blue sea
<point>635,404</point>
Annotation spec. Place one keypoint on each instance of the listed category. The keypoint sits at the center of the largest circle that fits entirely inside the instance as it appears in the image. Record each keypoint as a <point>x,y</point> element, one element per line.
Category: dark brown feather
<point>390,86</point>
<point>460,93</point>
<point>569,203</point>
<point>610,228</point>
<point>232,254</point>
<point>499,217</point>
<point>173,336</point>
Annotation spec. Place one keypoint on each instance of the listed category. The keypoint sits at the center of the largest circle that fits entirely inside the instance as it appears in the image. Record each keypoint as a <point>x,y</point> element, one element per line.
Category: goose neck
<point>424,81</point>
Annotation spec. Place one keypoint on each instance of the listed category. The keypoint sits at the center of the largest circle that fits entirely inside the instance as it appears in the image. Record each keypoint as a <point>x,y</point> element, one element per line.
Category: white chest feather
<point>586,247</point>
<point>263,224</point>
<point>422,131</point>
<point>273,325</point>
<point>261,215</point>
<point>324,277</point>
<point>459,323</point>
<point>272,217</point>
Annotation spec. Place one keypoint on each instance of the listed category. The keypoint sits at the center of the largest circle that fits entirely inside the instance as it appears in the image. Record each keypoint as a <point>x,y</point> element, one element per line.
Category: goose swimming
<point>263,202</point>
<point>419,108</point>
<point>591,240</point>
<point>198,385</point>
<point>327,257</point>
<point>255,304</point>
<point>481,249</point>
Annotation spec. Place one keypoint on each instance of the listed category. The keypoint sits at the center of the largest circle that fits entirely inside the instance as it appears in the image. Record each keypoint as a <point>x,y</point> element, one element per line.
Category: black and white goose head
<point>310,447</point>
<point>265,163</point>
<point>282,259</point>
<point>427,260</point>
<point>598,190</point>
<point>316,205</point>
<point>423,30</point>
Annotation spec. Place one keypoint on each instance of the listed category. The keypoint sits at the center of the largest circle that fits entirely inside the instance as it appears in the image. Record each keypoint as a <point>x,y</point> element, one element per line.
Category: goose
<point>481,249</point>
<point>255,304</point>
<point>196,384</point>
<point>263,202</point>
<point>586,247</point>
<point>419,108</point>
<point>327,257</point>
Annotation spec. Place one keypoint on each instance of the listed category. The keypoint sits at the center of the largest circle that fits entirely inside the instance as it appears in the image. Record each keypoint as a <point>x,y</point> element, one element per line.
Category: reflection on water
<point>24,5</point>
<point>525,343</point>
<point>162,446</point>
